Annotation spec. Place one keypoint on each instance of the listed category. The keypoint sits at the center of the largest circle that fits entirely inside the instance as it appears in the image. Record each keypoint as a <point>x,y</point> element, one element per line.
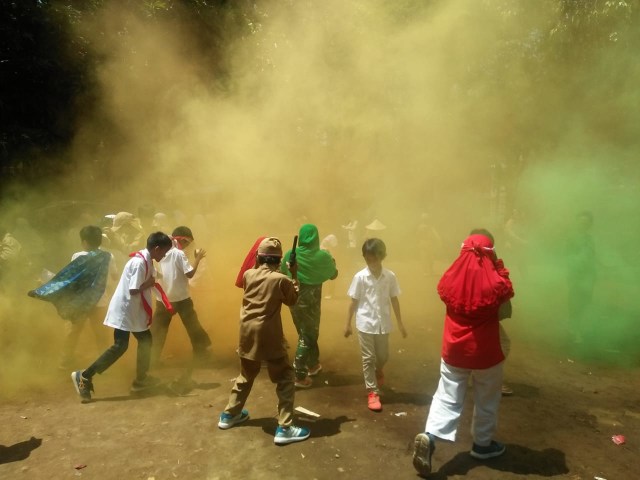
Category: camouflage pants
<point>306,318</point>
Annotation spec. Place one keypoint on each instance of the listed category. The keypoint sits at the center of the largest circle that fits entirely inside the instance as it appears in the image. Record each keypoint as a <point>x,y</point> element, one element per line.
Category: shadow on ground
<point>517,459</point>
<point>19,451</point>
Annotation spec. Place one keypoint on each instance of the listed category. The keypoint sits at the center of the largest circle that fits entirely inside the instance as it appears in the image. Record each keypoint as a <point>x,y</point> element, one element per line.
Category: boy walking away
<point>130,312</point>
<point>262,339</point>
<point>372,291</point>
<point>473,288</point>
<point>315,267</point>
<point>78,290</point>
<point>175,272</point>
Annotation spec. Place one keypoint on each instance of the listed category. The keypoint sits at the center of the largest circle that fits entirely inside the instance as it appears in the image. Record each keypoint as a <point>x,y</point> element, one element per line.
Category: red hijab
<point>476,279</point>
<point>249,261</point>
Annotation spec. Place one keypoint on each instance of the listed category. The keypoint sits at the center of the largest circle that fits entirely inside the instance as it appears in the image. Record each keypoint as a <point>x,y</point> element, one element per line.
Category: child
<point>10,250</point>
<point>372,290</point>
<point>262,339</point>
<point>315,267</point>
<point>130,312</point>
<point>329,244</point>
<point>174,275</point>
<point>473,288</point>
<point>90,239</point>
<point>78,290</point>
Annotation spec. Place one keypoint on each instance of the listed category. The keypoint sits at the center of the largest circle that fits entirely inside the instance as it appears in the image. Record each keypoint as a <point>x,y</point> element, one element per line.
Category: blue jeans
<point>115,351</point>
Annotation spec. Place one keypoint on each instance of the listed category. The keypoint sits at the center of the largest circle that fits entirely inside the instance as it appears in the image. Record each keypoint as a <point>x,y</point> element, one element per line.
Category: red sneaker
<point>374,402</point>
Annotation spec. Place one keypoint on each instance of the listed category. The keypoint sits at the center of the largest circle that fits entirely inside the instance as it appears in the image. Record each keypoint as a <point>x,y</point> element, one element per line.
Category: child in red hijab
<point>473,288</point>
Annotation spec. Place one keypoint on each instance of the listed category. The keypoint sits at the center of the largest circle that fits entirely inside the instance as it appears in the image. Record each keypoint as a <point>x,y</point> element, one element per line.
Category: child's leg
<point>73,330</point>
<point>144,354</point>
<point>111,354</point>
<point>281,373</point>
<point>381,345</point>
<point>159,329</point>
<point>487,392</point>
<point>306,317</point>
<point>241,389</point>
<point>314,330</point>
<point>447,402</point>
<point>200,340</point>
<point>368,350</point>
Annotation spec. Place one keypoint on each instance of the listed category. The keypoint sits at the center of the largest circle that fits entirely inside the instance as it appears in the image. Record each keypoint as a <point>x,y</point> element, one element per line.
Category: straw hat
<point>376,225</point>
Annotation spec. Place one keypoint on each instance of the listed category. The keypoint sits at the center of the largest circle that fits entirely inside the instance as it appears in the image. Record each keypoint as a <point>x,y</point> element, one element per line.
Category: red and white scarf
<point>157,286</point>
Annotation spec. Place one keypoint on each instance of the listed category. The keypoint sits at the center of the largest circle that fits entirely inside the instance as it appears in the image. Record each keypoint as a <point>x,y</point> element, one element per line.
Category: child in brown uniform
<point>262,339</point>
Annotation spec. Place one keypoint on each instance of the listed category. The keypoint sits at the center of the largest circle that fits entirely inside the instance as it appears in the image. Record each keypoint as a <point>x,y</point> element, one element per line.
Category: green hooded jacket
<point>315,266</point>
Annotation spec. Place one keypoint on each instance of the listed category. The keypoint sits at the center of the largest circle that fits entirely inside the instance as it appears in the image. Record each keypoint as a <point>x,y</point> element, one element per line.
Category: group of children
<point>78,292</point>
<point>473,289</point>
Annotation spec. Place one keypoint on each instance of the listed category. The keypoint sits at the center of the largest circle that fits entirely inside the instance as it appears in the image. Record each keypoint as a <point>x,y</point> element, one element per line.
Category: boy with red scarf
<point>130,312</point>
<point>473,288</point>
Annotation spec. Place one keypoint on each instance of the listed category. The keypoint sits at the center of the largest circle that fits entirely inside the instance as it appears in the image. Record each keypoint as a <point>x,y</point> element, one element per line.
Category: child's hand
<point>347,331</point>
<point>293,269</point>
<point>200,253</point>
<point>148,283</point>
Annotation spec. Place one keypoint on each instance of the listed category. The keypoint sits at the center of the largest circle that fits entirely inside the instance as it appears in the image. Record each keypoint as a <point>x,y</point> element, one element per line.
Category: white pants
<point>375,353</point>
<point>447,403</point>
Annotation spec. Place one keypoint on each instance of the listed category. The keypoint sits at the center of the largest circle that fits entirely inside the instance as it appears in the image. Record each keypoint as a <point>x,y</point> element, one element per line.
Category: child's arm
<point>396,309</point>
<point>352,310</point>
<point>200,254</point>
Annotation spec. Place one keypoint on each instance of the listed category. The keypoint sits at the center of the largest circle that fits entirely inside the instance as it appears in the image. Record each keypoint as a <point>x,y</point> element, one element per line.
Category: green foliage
<point>48,64</point>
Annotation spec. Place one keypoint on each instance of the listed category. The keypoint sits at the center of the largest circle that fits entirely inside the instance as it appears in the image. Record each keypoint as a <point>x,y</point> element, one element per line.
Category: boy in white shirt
<point>372,291</point>
<point>129,312</point>
<point>174,274</point>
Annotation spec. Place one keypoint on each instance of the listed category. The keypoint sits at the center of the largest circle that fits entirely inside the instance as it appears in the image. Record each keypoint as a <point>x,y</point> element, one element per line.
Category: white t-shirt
<point>113,271</point>
<point>373,314</point>
<point>173,278</point>
<point>126,311</point>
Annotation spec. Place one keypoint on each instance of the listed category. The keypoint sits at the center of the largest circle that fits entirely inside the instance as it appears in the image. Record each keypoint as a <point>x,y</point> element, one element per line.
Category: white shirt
<point>373,314</point>
<point>173,278</point>
<point>9,248</point>
<point>113,271</point>
<point>126,311</point>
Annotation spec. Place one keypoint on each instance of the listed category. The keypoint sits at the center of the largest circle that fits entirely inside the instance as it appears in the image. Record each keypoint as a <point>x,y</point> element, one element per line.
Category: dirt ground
<point>558,424</point>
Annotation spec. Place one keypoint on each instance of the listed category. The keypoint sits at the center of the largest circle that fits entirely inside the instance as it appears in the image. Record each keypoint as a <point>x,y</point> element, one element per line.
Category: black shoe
<point>424,447</point>
<point>145,384</point>
<point>495,449</point>
<point>84,386</point>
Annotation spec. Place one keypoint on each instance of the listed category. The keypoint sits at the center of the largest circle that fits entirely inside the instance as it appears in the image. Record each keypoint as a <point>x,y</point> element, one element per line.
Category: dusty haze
<point>337,111</point>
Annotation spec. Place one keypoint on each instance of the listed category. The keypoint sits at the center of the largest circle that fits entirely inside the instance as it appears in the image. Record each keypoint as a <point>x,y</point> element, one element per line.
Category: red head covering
<point>476,278</point>
<point>249,261</point>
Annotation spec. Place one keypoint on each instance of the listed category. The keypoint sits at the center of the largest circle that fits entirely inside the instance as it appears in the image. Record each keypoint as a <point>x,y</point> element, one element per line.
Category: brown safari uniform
<point>262,339</point>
